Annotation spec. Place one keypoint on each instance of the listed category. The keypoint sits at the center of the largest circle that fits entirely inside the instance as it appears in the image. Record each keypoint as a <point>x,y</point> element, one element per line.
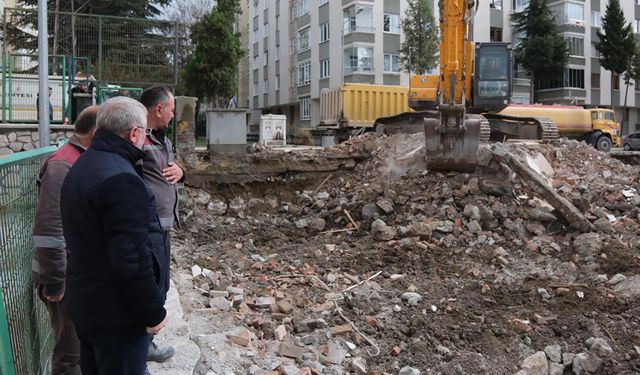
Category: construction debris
<point>529,264</point>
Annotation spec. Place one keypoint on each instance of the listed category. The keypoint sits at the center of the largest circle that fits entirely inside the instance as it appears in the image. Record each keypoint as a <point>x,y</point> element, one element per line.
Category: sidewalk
<point>176,333</point>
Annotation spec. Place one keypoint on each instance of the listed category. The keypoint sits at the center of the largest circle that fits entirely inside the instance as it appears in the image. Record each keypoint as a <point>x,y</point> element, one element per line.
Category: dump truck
<point>596,126</point>
<point>354,107</point>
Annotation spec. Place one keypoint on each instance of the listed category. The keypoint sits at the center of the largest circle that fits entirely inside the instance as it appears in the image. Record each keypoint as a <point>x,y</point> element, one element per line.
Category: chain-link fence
<point>88,54</point>
<point>26,341</point>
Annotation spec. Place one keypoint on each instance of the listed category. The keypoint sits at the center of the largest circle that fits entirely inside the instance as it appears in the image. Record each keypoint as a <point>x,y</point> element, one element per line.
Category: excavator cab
<point>493,76</point>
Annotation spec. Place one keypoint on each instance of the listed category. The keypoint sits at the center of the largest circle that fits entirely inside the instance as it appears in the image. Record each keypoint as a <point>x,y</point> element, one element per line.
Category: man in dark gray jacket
<point>49,265</point>
<point>162,175</point>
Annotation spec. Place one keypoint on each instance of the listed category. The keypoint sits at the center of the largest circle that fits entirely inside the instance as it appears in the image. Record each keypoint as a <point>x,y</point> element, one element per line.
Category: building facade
<point>297,48</point>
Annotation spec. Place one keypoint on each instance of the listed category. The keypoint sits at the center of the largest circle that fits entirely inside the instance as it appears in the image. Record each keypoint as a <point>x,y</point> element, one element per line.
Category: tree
<point>419,51</point>
<point>542,50</point>
<point>616,45</point>
<point>211,71</point>
<point>186,13</point>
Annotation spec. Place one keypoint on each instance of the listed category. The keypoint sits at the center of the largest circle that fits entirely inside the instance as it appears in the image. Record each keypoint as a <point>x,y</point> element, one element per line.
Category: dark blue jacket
<point>117,269</point>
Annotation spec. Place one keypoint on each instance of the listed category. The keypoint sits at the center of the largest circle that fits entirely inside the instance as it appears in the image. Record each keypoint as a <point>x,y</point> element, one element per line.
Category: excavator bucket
<point>454,148</point>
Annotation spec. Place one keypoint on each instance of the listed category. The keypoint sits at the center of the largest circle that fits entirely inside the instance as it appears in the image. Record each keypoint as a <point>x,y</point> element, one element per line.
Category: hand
<point>158,328</point>
<point>57,298</point>
<point>173,173</point>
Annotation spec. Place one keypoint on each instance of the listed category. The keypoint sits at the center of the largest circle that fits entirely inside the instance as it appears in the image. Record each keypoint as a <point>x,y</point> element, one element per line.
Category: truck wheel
<point>604,144</point>
<point>627,147</point>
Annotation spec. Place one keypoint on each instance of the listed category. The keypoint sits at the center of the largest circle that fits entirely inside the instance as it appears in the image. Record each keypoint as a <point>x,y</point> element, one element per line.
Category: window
<point>266,29</point>
<point>358,59</point>
<point>595,80</point>
<point>358,18</point>
<point>324,68</point>
<point>636,26</point>
<point>277,53</point>
<point>392,63</point>
<point>519,5</point>
<point>576,46</point>
<point>303,40</point>
<point>302,7</point>
<point>615,81</point>
<point>266,85</point>
<point>278,22</point>
<point>305,108</point>
<point>324,32</point>
<point>496,4</point>
<point>572,78</point>
<point>304,73</point>
<point>569,13</point>
<point>594,51</point>
<point>256,34</point>
<point>392,23</point>
<point>266,58</point>
<point>256,88</point>
<point>277,83</point>
<point>495,34</point>
<point>596,21</point>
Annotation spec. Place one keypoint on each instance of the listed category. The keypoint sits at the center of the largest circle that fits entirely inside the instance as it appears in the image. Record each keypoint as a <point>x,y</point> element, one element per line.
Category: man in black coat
<point>116,273</point>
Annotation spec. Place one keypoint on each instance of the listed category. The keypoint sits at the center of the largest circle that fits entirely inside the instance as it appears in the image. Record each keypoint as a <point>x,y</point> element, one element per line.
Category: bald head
<point>86,121</point>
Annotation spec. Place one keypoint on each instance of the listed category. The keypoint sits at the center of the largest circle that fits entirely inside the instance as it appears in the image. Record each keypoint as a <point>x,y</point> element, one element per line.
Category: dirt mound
<point>387,267</point>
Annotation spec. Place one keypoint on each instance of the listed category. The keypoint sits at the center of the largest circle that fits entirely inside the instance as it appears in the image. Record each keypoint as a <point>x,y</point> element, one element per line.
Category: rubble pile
<point>530,265</point>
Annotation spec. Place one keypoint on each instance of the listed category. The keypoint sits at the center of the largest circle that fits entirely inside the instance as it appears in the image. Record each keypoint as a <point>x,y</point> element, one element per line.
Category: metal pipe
<point>43,74</point>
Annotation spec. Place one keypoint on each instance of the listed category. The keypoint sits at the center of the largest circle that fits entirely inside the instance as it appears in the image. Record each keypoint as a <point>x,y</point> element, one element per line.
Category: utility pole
<point>43,74</point>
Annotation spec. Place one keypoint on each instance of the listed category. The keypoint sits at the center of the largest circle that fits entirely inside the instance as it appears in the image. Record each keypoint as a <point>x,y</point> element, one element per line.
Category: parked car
<point>631,142</point>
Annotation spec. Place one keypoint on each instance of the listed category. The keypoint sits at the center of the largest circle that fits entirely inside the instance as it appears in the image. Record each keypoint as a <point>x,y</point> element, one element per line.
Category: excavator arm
<point>452,138</point>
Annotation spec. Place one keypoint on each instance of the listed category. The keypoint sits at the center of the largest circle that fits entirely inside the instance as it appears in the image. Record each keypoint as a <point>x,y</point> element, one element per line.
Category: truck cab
<point>604,119</point>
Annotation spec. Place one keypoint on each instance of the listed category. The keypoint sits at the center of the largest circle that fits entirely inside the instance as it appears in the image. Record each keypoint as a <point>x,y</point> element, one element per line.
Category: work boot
<point>159,354</point>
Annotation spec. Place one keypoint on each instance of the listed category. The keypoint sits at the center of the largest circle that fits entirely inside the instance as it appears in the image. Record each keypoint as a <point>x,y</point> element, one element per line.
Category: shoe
<point>160,354</point>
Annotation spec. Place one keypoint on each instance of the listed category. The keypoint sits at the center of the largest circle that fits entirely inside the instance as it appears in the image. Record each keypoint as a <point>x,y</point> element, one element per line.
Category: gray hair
<point>120,114</point>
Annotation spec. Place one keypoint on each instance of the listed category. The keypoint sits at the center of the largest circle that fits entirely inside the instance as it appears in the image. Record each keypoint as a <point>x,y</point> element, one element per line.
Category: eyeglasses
<point>147,131</point>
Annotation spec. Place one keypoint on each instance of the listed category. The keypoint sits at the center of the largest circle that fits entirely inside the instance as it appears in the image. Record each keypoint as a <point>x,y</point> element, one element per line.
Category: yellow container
<point>359,105</point>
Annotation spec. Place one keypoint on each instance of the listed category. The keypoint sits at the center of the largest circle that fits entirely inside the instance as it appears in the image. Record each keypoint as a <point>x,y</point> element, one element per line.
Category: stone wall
<point>22,138</point>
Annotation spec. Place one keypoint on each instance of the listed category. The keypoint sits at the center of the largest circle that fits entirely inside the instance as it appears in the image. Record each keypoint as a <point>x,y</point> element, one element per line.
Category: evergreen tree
<point>542,50</point>
<point>212,70</point>
<point>616,45</point>
<point>419,51</point>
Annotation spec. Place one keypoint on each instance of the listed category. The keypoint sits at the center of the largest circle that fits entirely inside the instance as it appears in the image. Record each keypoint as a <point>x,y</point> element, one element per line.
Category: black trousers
<point>113,351</point>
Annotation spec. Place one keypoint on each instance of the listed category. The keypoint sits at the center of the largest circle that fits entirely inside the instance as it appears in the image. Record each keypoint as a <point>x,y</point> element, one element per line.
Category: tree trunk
<point>533,95</point>
<point>56,26</point>
<point>623,128</point>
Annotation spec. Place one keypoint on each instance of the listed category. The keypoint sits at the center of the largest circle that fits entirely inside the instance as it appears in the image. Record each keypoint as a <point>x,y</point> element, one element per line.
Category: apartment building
<point>299,47</point>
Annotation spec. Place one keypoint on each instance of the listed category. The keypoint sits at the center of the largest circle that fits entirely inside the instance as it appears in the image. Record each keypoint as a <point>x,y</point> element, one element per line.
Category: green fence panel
<point>25,332</point>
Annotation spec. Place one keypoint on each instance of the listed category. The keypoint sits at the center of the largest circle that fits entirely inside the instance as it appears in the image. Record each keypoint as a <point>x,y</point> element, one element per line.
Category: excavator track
<point>504,127</point>
<point>485,127</point>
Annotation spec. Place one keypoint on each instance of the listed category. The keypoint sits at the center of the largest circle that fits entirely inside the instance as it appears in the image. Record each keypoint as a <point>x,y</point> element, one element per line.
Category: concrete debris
<point>449,272</point>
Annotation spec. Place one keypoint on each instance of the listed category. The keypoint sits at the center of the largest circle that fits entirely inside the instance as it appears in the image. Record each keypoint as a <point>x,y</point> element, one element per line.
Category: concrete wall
<point>227,130</point>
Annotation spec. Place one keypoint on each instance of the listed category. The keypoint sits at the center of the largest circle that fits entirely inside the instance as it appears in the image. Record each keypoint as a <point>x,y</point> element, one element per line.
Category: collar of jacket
<point>74,141</point>
<point>157,135</point>
<point>108,142</point>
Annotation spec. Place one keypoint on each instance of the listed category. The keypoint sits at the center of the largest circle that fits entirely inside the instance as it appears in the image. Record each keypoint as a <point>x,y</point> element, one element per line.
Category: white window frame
<point>569,38</point>
<point>324,32</point>
<point>266,85</point>
<point>596,20</point>
<point>302,7</point>
<point>348,67</point>
<point>393,29</point>
<point>266,58</point>
<point>390,65</point>
<point>304,73</point>
<point>576,21</point>
<point>304,39</point>
<point>322,2</point>
<point>305,108</point>
<point>277,57</point>
<point>277,87</point>
<point>519,5</point>
<point>350,17</point>
<point>325,68</point>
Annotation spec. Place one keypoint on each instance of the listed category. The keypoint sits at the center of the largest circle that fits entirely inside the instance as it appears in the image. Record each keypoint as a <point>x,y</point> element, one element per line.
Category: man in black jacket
<point>116,273</point>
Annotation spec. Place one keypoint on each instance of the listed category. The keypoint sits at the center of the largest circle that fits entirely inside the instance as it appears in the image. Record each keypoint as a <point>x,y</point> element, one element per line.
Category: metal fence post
<point>175,55</point>
<point>99,48</point>
<point>6,354</point>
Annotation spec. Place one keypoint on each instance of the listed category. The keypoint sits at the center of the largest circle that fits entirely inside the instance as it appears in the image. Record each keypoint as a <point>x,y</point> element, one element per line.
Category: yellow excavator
<point>459,106</point>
